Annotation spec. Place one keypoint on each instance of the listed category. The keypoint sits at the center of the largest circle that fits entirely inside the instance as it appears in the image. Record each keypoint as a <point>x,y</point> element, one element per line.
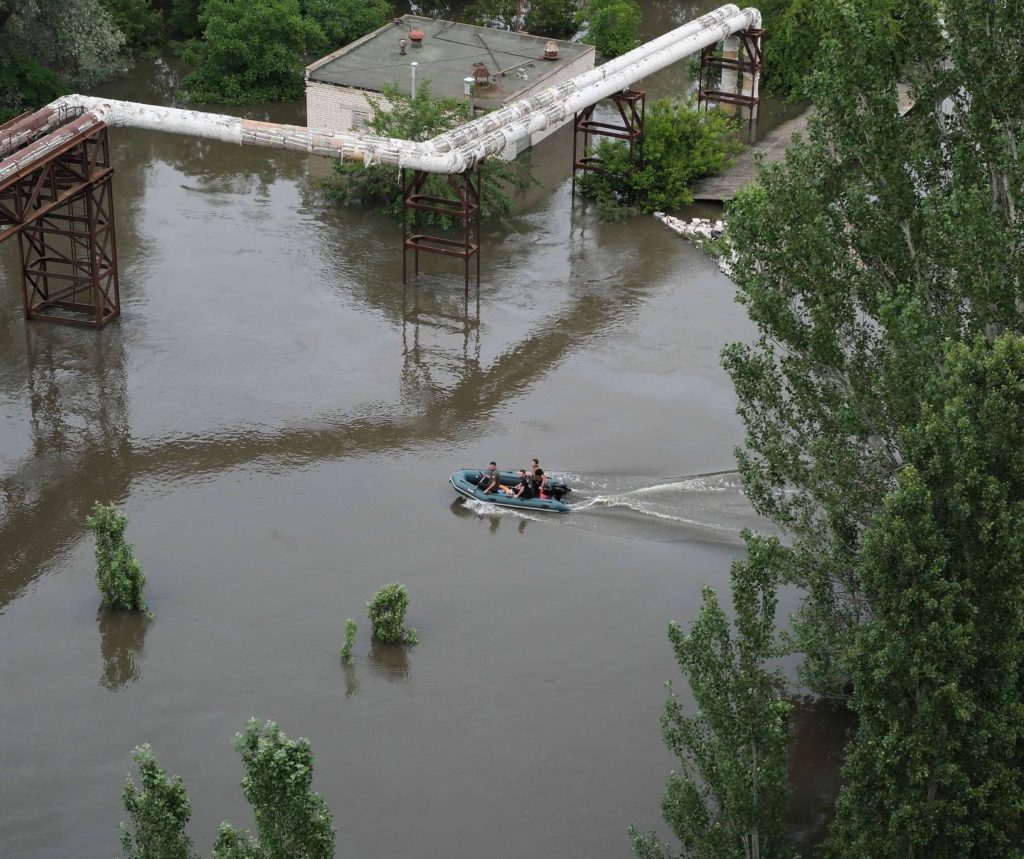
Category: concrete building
<point>506,66</point>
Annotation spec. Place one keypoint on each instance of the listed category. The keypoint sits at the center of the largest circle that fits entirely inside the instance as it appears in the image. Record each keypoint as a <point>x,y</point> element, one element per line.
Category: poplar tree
<point>881,238</point>
<point>933,769</point>
<point>729,797</point>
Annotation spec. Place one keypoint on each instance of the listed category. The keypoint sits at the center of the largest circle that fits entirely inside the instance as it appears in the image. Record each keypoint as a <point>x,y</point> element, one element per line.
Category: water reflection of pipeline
<point>46,497</point>
<point>431,320</point>
<point>122,645</point>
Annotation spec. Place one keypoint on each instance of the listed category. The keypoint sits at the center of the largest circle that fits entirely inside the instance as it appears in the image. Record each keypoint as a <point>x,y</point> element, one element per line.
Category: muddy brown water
<point>278,417</point>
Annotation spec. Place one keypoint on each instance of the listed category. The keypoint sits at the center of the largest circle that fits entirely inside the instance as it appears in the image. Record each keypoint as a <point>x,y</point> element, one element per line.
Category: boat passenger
<point>524,489</point>
<point>540,480</point>
<point>490,479</point>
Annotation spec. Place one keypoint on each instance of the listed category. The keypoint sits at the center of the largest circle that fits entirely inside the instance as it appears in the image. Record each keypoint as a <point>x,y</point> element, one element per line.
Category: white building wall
<point>339,108</point>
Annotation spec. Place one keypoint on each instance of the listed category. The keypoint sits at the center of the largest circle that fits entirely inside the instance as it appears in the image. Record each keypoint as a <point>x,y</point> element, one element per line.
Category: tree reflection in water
<point>122,645</point>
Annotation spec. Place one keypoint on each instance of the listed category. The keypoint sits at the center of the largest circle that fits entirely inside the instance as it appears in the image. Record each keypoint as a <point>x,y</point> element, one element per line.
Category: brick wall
<point>336,107</point>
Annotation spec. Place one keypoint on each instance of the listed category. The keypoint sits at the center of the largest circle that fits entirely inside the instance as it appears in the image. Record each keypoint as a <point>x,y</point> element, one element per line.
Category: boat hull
<point>465,480</point>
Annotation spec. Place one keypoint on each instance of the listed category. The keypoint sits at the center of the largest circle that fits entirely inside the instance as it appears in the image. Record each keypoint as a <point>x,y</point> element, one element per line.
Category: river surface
<point>278,416</point>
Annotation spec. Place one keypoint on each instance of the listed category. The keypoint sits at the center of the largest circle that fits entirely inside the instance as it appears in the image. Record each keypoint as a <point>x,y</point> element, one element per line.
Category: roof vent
<point>481,76</point>
<point>551,51</point>
<point>416,37</point>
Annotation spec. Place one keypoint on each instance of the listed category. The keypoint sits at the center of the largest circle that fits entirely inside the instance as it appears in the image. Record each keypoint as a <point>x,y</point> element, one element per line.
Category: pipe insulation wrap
<point>451,152</point>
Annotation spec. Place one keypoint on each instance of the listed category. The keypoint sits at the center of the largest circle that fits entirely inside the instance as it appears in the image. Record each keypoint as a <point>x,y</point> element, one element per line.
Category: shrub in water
<point>387,615</point>
<point>118,574</point>
<point>350,639</point>
<point>159,811</point>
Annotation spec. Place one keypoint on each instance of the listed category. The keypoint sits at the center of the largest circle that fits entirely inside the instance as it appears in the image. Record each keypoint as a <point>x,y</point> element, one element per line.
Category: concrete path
<point>718,189</point>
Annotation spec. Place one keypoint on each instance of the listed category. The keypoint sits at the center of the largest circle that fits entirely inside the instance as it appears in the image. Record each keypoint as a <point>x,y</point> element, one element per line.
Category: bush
<point>119,576</point>
<point>614,26</point>
<point>291,819</point>
<point>250,52</point>
<point>387,615</point>
<point>681,144</point>
<point>142,25</point>
<point>420,118</point>
<point>25,84</point>
<point>159,811</point>
<point>343,21</point>
<point>350,640</point>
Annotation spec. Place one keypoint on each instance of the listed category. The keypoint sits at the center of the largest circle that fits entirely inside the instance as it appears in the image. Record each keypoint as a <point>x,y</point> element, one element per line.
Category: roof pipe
<point>452,152</point>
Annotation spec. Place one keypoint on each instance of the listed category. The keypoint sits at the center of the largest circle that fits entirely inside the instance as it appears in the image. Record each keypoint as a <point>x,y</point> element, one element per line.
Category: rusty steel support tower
<point>632,107</point>
<point>463,205</point>
<point>740,64</point>
<point>61,206</point>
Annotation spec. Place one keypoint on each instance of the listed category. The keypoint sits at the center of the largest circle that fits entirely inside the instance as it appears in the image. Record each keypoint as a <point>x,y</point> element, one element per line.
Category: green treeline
<point>883,400</point>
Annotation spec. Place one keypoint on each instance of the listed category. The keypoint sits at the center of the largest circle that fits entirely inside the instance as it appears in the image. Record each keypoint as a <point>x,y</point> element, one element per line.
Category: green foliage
<point>798,28</point>
<point>119,576</point>
<point>292,820</point>
<point>681,144</point>
<point>350,640</point>
<point>555,19</point>
<point>613,26</point>
<point>77,39</point>
<point>420,118</point>
<point>251,51</point>
<point>933,769</point>
<point>232,844</point>
<point>25,84</point>
<point>729,800</point>
<point>142,25</point>
<point>387,615</point>
<point>159,812</point>
<point>184,17</point>
<point>878,242</point>
<point>343,21</point>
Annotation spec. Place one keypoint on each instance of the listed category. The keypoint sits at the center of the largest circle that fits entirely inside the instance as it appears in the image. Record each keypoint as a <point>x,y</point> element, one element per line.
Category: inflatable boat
<point>466,480</point>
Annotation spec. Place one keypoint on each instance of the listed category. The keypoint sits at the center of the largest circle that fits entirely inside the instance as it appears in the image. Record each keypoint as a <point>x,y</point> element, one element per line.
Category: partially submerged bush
<point>350,640</point>
<point>119,576</point>
<point>387,615</point>
<point>159,810</point>
<point>418,118</point>
<point>681,144</point>
<point>613,26</point>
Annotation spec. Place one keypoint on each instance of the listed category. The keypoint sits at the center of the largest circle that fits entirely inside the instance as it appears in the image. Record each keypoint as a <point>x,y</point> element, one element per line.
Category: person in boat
<point>490,479</point>
<point>540,480</point>
<point>524,489</point>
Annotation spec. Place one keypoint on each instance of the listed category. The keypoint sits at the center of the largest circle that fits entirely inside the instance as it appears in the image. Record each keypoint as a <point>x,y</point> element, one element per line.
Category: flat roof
<point>445,57</point>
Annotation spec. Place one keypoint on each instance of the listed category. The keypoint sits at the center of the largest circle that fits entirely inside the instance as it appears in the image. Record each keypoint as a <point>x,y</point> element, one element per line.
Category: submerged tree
<point>118,574</point>
<point>159,810</point>
<point>249,52</point>
<point>292,821</point>
<point>880,239</point>
<point>681,144</point>
<point>418,117</point>
<point>933,769</point>
<point>729,799</point>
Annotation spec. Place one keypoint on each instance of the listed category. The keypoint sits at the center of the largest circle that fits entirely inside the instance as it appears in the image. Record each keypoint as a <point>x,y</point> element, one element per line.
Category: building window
<point>360,119</point>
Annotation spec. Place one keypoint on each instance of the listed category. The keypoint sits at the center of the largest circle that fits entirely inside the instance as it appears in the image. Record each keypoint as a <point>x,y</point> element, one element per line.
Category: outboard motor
<point>557,489</point>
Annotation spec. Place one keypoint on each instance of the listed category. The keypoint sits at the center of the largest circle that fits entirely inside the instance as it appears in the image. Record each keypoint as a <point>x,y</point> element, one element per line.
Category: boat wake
<point>708,507</point>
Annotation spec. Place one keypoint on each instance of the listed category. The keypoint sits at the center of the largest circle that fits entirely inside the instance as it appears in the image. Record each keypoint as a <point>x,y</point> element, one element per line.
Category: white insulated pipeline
<point>452,152</point>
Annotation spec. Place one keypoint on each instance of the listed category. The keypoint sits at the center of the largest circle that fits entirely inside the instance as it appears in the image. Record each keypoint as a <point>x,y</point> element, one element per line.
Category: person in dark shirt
<point>541,482</point>
<point>490,479</point>
<point>524,489</point>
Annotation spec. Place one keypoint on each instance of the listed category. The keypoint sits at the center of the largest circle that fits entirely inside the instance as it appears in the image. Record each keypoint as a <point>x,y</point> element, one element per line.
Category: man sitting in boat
<point>489,479</point>
<point>524,489</point>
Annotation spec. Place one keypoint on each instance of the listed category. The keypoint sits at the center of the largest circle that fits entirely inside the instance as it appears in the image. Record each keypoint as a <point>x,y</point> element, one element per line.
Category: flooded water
<point>278,417</point>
